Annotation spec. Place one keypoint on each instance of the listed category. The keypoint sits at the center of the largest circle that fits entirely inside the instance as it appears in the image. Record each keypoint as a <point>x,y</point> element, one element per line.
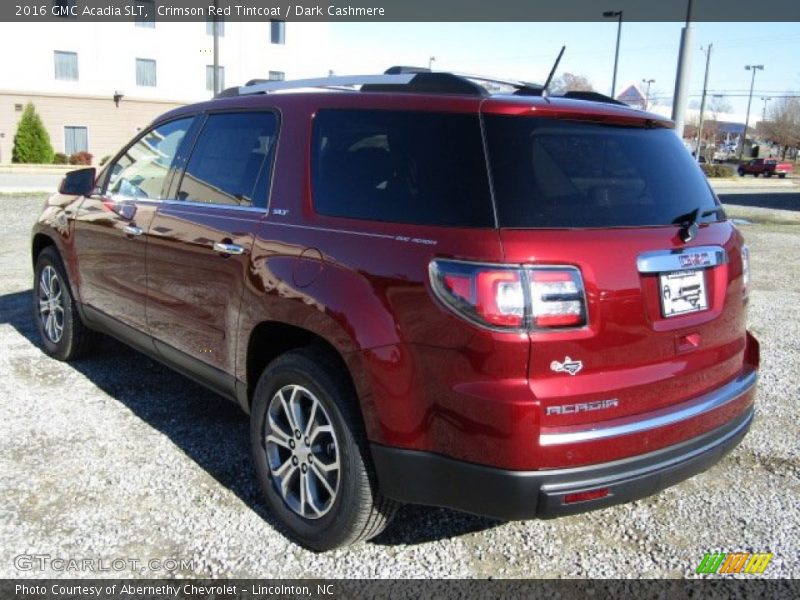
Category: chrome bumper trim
<point>660,418</point>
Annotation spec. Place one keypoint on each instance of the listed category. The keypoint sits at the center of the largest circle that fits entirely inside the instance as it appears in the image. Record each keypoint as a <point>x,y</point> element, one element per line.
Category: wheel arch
<point>39,242</point>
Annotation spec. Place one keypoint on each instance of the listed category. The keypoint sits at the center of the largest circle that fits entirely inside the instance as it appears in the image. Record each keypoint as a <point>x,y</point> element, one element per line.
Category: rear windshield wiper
<point>688,222</point>
<point>717,210</point>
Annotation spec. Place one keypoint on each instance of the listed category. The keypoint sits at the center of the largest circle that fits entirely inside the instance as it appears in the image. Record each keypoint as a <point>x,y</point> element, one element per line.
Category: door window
<point>142,170</point>
<point>232,160</point>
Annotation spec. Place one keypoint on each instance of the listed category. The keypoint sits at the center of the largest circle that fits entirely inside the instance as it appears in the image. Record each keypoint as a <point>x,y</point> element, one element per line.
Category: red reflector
<point>585,496</point>
<point>559,320</point>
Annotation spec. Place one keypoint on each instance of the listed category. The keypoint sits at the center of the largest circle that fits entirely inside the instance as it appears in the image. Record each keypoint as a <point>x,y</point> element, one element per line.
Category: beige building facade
<point>96,84</point>
<point>107,126</point>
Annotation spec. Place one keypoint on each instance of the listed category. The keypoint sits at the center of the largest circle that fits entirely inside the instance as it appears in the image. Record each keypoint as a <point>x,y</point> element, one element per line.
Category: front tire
<point>311,455</point>
<point>62,332</point>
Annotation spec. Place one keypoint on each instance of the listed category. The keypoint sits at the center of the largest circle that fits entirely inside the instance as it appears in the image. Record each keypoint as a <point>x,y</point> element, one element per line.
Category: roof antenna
<point>552,72</point>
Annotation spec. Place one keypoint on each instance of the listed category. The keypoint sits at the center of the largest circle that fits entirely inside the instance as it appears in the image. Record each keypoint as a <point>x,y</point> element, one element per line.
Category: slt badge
<point>568,366</point>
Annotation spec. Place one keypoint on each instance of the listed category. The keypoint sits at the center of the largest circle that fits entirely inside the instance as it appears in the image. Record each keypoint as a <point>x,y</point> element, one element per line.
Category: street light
<point>752,68</point>
<point>610,14</point>
<point>430,62</point>
<point>647,93</point>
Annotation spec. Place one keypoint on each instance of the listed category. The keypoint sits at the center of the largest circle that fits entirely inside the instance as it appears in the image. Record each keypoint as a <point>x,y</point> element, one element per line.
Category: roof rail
<point>259,86</point>
<point>396,79</point>
<point>411,80</point>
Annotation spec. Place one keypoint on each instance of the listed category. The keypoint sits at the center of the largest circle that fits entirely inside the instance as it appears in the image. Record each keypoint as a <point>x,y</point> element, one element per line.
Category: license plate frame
<point>682,292</point>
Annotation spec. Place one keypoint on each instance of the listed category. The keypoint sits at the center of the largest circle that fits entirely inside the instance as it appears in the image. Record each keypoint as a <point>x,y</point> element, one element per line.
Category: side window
<point>142,170</point>
<point>404,167</point>
<point>232,160</point>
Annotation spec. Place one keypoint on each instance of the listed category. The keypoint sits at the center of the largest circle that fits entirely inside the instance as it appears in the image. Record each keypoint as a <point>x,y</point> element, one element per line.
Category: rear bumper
<point>431,479</point>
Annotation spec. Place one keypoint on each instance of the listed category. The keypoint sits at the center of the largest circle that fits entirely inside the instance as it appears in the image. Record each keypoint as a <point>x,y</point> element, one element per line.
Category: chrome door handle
<point>228,248</point>
<point>132,230</point>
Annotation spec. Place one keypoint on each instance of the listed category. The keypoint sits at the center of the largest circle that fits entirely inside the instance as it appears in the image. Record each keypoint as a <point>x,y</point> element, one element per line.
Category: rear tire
<point>311,455</point>
<point>741,172</point>
<point>782,175</point>
<point>63,333</point>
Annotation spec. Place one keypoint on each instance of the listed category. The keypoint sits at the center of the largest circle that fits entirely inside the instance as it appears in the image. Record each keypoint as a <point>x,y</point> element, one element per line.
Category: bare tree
<point>716,106</point>
<point>783,124</point>
<point>570,82</point>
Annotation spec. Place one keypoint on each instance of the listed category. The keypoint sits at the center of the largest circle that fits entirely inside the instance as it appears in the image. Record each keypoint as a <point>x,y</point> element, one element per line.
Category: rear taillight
<point>745,271</point>
<point>513,298</point>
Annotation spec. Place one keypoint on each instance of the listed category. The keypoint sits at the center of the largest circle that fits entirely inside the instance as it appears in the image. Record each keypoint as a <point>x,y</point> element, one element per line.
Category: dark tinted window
<point>405,167</point>
<point>549,173</point>
<point>231,161</point>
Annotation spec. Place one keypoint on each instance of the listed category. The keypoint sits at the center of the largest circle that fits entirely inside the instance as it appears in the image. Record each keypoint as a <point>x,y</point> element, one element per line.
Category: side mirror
<point>78,183</point>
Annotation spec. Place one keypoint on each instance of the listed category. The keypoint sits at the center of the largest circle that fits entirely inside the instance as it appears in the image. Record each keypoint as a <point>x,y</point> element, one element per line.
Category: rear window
<point>566,174</point>
<point>404,167</point>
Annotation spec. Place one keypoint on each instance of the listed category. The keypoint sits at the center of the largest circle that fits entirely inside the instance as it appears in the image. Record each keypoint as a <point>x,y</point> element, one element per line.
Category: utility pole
<point>647,93</point>
<point>764,111</point>
<point>752,68</point>
<point>703,103</point>
<point>215,25</point>
<point>681,97</point>
<point>610,14</point>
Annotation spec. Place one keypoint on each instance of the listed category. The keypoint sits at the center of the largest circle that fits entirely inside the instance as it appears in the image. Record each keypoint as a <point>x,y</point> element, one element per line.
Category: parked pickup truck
<point>766,167</point>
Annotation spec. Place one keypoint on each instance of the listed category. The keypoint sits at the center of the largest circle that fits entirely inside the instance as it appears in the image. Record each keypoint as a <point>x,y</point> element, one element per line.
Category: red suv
<point>423,288</point>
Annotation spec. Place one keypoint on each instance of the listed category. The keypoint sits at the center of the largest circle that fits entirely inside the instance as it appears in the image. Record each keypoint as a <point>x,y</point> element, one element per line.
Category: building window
<point>220,27</point>
<point>210,78</point>
<point>145,14</point>
<point>277,75</point>
<point>65,9</point>
<point>145,72</point>
<point>76,139</point>
<point>66,65</point>
<point>277,32</point>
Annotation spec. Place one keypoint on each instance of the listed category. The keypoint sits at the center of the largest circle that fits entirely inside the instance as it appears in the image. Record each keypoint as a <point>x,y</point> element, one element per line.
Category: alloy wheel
<point>302,452</point>
<point>51,304</point>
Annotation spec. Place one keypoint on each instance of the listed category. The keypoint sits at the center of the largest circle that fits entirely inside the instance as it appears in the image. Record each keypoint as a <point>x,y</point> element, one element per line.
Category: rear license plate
<point>683,292</point>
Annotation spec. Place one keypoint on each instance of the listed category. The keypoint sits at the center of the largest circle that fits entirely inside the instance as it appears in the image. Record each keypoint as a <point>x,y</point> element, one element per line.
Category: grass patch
<point>763,216</point>
<point>18,195</point>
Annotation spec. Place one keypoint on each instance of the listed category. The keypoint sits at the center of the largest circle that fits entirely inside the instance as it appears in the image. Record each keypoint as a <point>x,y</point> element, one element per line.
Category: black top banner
<point>398,10</point>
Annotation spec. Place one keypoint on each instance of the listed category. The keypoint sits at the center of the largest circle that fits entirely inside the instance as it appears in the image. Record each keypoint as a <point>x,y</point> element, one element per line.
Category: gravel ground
<point>119,457</point>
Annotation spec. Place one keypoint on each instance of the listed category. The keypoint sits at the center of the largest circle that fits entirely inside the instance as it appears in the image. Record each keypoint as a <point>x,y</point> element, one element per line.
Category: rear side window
<point>402,167</point>
<point>232,160</point>
<point>563,174</point>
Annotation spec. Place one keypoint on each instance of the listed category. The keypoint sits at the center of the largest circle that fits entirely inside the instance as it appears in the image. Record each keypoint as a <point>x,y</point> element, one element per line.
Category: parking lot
<point>117,457</point>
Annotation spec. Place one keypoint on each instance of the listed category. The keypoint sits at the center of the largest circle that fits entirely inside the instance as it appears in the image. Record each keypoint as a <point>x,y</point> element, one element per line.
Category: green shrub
<point>105,159</point>
<point>712,170</point>
<point>61,159</point>
<point>81,158</point>
<point>32,142</point>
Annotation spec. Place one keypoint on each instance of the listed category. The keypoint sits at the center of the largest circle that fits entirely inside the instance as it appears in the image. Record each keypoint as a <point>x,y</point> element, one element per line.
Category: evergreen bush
<point>32,142</point>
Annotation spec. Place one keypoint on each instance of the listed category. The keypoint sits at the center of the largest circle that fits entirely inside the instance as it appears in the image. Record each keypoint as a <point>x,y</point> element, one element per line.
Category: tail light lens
<point>511,298</point>
<point>745,271</point>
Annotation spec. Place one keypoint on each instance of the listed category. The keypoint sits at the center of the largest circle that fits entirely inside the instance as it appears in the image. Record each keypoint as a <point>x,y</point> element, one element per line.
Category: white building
<point>96,84</point>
